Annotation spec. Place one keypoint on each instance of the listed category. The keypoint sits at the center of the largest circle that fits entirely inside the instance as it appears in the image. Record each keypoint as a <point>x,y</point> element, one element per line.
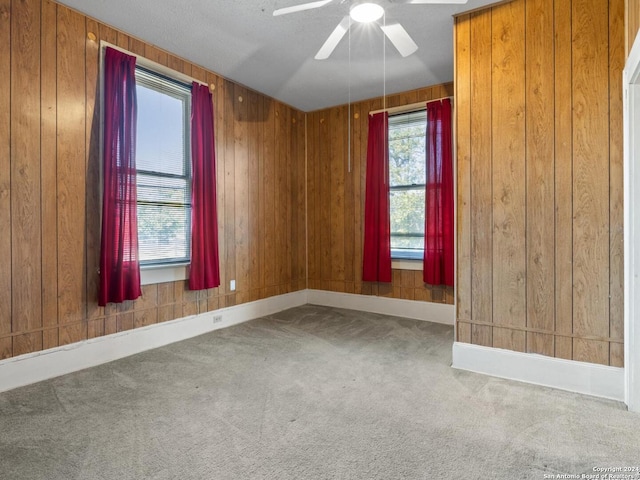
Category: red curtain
<point>205,271</point>
<point>377,229</point>
<point>119,265</point>
<point>438,228</point>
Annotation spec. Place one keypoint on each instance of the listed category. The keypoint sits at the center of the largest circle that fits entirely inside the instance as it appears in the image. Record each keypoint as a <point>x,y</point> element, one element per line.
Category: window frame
<point>149,274</point>
<point>148,78</point>
<point>406,257</point>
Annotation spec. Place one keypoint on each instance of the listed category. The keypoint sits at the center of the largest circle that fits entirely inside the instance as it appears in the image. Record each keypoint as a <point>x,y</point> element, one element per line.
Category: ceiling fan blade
<point>400,39</point>
<point>333,40</point>
<point>423,2</point>
<point>300,8</point>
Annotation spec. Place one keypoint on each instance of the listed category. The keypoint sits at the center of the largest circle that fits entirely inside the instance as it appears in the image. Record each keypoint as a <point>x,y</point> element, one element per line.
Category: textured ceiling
<point>242,41</point>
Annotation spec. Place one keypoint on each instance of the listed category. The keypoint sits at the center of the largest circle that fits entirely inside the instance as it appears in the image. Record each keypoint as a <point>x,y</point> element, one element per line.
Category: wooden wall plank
<point>298,157</point>
<point>539,175</point>
<point>393,100</point>
<point>310,142</point>
<point>279,220</point>
<point>177,64</point>
<point>318,150</point>
<point>241,187</point>
<point>107,34</point>
<point>480,178</point>
<point>292,168</point>
<point>313,212</point>
<point>302,189</point>
<point>296,180</point>
<point>187,69</point>
<point>157,55</point>
<point>71,173</point>
<point>93,200</point>
<point>325,202</point>
<point>632,17</point>
<point>508,136</point>
<point>336,199</point>
<point>48,173</point>
<point>136,46</point>
<point>563,172</point>
<point>230,106</point>
<point>253,198</point>
<point>263,107</point>
<point>407,98</point>
<point>349,215</point>
<point>5,179</point>
<point>358,116</point>
<point>616,186</point>
<point>269,197</point>
<point>463,166</point>
<point>299,184</point>
<point>590,33</point>
<point>25,177</point>
<point>198,73</point>
<point>286,207</point>
<point>281,214</point>
<point>229,188</point>
<point>219,95</point>
<point>122,40</point>
<point>146,307</point>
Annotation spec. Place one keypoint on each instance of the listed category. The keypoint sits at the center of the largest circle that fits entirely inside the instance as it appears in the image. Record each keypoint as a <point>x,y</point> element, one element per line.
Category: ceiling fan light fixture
<point>366,12</point>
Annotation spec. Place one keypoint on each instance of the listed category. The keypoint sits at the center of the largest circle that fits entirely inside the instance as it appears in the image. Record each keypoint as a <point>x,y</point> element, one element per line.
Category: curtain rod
<point>158,67</point>
<point>408,108</point>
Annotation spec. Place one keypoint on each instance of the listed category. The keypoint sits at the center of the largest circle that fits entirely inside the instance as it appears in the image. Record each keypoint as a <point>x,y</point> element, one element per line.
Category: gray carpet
<point>309,393</point>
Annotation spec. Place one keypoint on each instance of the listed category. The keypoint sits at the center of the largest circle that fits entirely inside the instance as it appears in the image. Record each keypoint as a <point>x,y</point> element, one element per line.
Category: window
<point>407,178</point>
<point>163,162</point>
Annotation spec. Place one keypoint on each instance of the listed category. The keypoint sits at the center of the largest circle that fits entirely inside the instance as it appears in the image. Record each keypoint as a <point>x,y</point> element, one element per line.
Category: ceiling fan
<point>363,12</point>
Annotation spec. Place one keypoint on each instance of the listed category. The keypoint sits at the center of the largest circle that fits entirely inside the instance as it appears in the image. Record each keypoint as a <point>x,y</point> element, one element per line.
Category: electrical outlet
<point>217,319</point>
<point>232,285</point>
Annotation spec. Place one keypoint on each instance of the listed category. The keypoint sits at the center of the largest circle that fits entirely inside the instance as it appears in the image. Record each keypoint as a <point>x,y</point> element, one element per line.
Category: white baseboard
<point>35,367</point>
<point>590,379</point>
<point>431,312</point>
<point>580,377</point>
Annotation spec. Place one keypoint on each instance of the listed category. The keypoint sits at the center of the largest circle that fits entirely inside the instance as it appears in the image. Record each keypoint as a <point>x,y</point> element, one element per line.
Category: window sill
<point>406,264</point>
<point>151,274</point>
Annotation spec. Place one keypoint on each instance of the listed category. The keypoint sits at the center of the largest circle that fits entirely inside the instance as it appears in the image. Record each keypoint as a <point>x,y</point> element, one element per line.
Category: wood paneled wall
<point>539,129</point>
<point>49,184</point>
<point>335,190</point>
<point>632,21</point>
